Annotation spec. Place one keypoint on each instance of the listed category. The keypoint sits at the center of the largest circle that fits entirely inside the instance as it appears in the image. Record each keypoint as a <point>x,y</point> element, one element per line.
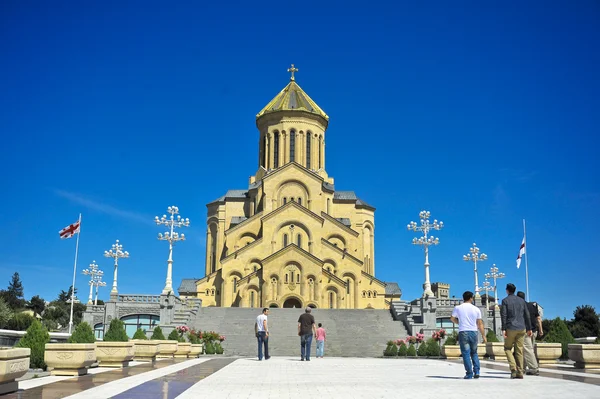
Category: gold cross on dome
<point>292,70</point>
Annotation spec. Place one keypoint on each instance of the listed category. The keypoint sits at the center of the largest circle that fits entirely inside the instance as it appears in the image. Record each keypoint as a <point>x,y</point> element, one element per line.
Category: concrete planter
<point>166,349</point>
<point>481,350</point>
<point>114,354</point>
<point>547,353</point>
<point>144,350</point>
<point>451,352</point>
<point>14,363</point>
<point>183,349</point>
<point>495,350</point>
<point>195,351</point>
<point>69,359</point>
<point>585,356</point>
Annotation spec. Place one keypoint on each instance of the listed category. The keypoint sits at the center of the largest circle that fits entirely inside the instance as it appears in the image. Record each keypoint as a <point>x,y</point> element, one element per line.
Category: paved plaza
<point>287,377</point>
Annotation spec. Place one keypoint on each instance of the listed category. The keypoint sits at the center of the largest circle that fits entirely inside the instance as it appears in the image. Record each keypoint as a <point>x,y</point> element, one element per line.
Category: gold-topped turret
<point>293,98</point>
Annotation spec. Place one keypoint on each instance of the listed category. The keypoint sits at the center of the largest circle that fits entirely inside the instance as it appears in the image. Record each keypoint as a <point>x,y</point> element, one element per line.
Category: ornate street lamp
<point>116,252</point>
<point>474,256</point>
<point>425,227</point>
<point>98,283</point>
<point>487,287</point>
<point>172,237</point>
<point>93,272</point>
<point>495,274</point>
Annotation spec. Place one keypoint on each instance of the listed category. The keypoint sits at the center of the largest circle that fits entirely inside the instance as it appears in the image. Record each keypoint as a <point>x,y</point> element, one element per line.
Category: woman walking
<point>320,341</point>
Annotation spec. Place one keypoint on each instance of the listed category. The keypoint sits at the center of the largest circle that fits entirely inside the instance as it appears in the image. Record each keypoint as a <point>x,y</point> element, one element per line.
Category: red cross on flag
<point>70,230</point>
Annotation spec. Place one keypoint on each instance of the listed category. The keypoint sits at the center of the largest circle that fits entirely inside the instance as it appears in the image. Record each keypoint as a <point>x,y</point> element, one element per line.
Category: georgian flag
<point>521,253</point>
<point>70,230</point>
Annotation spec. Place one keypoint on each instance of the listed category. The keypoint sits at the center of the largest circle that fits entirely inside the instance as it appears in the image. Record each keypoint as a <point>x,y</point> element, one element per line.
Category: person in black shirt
<point>531,363</point>
<point>306,330</point>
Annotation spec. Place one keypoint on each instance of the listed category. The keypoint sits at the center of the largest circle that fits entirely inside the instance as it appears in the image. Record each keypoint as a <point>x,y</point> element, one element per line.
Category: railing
<point>95,308</point>
<point>448,302</point>
<point>139,298</point>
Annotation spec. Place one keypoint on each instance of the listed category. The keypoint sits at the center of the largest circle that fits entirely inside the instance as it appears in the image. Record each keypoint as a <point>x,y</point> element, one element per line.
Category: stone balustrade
<point>139,298</point>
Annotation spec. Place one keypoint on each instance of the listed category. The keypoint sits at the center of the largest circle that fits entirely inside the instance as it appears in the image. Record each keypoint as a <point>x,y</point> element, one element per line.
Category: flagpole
<point>74,274</point>
<point>526,266</point>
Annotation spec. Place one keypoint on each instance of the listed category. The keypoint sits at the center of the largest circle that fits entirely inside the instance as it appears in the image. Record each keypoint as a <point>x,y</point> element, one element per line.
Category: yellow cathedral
<point>291,239</point>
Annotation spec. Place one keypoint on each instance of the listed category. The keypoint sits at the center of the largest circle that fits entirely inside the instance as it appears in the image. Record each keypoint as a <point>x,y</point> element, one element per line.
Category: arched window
<point>251,299</point>
<point>348,286</point>
<point>308,139</point>
<point>299,241</point>
<point>207,292</point>
<point>299,201</point>
<point>368,294</point>
<point>286,278</point>
<point>298,277</point>
<point>235,284</point>
<point>99,331</point>
<point>374,294</point>
<point>330,300</point>
<point>320,149</point>
<point>364,294</point>
<point>255,268</point>
<point>212,293</point>
<point>143,321</point>
<point>276,149</point>
<point>285,240</point>
<point>263,148</point>
<point>284,200</point>
<point>292,145</point>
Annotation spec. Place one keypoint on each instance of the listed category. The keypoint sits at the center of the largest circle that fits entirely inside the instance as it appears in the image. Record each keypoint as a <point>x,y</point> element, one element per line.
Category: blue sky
<point>484,114</point>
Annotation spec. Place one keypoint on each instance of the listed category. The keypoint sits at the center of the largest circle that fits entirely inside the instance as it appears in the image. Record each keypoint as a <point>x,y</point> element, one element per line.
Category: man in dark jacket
<point>516,322</point>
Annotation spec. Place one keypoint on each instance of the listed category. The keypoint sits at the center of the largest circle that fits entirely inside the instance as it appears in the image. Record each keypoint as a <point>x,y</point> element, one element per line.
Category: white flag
<point>521,253</point>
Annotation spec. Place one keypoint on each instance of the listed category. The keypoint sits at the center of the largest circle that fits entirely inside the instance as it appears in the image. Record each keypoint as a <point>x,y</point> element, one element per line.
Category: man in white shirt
<point>469,320</point>
<point>261,329</point>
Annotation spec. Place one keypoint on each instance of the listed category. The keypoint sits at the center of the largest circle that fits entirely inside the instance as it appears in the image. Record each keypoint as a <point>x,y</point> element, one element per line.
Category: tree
<point>6,313</point>
<point>83,334</point>
<point>157,334</point>
<point>13,295</point>
<point>116,332</point>
<point>140,334</point>
<point>559,333</point>
<point>585,322</point>
<point>36,304</point>
<point>36,339</point>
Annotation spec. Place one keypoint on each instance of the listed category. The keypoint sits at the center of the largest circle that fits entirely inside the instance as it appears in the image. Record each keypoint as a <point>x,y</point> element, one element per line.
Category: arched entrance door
<point>292,302</point>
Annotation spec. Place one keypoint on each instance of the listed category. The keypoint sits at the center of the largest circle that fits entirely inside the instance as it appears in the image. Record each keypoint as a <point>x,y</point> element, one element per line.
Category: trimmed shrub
<point>157,334</point>
<point>388,349</point>
<point>83,334</point>
<point>394,350</point>
<point>36,339</point>
<point>116,332</point>
<point>140,334</point>
<point>491,336</point>
<point>209,348</point>
<point>402,349</point>
<point>193,338</point>
<point>433,348</point>
<point>452,339</point>
<point>218,349</point>
<point>411,351</point>
<point>174,336</point>
<point>20,321</point>
<point>559,333</point>
<point>422,351</point>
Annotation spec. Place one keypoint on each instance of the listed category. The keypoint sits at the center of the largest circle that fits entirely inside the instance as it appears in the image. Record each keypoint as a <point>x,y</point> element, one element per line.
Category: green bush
<point>491,336</point>
<point>452,339</point>
<point>433,348</point>
<point>174,336</point>
<point>50,325</point>
<point>402,349</point>
<point>140,334</point>
<point>411,351</point>
<point>559,333</point>
<point>218,349</point>
<point>422,351</point>
<point>116,332</point>
<point>83,334</point>
<point>6,313</point>
<point>20,321</point>
<point>157,334</point>
<point>394,350</point>
<point>193,338</point>
<point>36,339</point>
<point>209,348</point>
<point>388,349</point>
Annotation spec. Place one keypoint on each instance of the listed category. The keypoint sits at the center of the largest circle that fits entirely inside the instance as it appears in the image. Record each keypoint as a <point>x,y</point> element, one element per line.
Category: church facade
<point>291,239</point>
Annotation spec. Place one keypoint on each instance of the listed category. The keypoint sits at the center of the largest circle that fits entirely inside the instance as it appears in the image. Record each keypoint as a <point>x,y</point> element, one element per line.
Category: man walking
<point>306,329</point>
<point>469,320</point>
<point>531,364</point>
<point>516,322</point>
<point>261,328</point>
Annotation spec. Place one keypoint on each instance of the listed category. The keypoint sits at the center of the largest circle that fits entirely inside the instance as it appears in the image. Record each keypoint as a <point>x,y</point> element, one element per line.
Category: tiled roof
<point>188,285</point>
<point>344,195</point>
<point>345,221</point>
<point>392,289</point>
<point>235,220</point>
<point>328,186</point>
<point>292,98</point>
<point>363,203</point>
<point>232,194</point>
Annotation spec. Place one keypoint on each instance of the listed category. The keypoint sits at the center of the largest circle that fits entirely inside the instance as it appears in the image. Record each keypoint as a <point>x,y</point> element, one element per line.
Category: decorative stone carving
<point>14,363</point>
<point>69,359</point>
<point>114,354</point>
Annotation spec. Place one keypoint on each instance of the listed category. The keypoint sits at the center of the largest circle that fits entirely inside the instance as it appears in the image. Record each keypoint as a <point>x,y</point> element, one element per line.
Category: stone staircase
<point>186,312</point>
<point>351,333</point>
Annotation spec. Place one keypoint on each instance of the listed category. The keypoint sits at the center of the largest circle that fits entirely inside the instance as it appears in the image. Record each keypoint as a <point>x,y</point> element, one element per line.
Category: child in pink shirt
<point>320,341</point>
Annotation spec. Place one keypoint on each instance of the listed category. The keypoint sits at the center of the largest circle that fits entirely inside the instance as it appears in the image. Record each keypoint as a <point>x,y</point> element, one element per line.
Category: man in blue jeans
<point>261,329</point>
<point>306,330</point>
<point>469,320</point>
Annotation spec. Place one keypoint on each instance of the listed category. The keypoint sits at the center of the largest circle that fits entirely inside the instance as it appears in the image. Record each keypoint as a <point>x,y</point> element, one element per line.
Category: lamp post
<point>98,283</point>
<point>116,252</point>
<point>486,287</point>
<point>172,237</point>
<point>425,227</point>
<point>93,272</point>
<point>474,256</point>
<point>495,274</point>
